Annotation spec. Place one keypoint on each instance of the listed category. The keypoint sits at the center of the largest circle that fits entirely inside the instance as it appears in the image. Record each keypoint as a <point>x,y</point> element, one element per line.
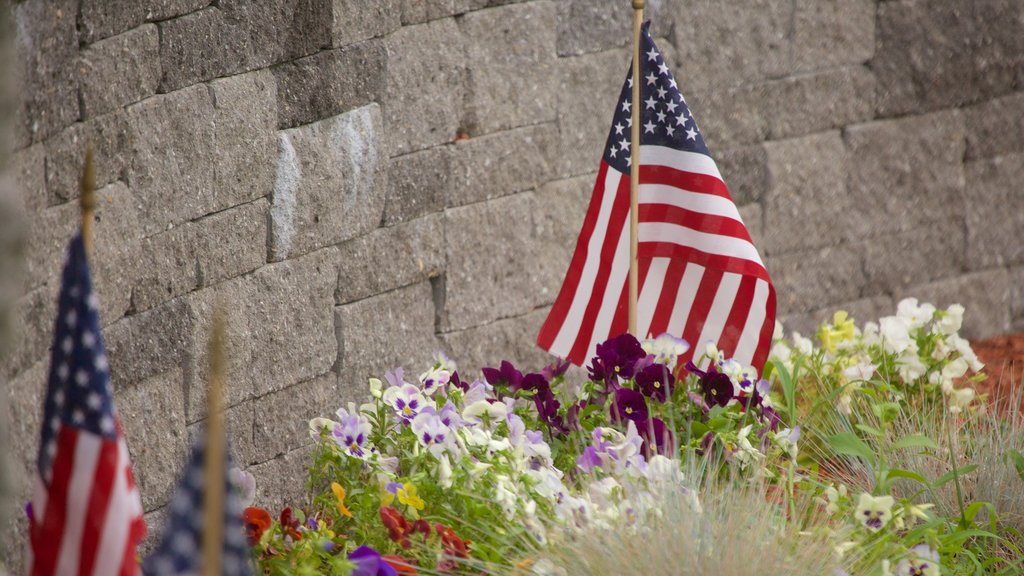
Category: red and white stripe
<point>90,518</point>
<point>700,275</point>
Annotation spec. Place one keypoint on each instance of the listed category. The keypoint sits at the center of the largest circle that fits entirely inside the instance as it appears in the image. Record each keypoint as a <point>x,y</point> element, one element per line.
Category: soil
<point>1004,361</point>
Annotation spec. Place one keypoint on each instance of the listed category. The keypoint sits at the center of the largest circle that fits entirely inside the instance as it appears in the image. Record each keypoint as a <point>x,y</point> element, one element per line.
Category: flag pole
<point>214,497</point>
<point>634,167</point>
<point>87,199</point>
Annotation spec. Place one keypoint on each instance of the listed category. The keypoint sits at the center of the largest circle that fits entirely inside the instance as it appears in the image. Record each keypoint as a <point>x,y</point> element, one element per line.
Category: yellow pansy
<point>841,329</point>
<point>407,495</point>
<point>339,493</point>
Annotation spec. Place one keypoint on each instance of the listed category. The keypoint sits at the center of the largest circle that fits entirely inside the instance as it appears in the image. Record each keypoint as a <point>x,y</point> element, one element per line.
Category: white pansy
<point>874,512</point>
<point>951,320</point>
<point>317,425</point>
<point>444,472</point>
<point>914,314</point>
<point>910,366</point>
<point>495,411</point>
<point>803,345</point>
<point>960,399</point>
<point>895,334</point>
<point>666,348</point>
<point>376,387</point>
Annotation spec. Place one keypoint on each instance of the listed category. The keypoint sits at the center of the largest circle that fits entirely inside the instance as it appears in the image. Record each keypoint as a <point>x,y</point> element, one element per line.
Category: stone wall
<point>363,182</point>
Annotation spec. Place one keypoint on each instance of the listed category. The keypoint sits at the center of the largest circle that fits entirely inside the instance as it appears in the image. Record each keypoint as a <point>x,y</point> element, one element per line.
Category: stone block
<point>908,172</point>
<point>116,249</point>
<point>492,275</point>
<point>153,416</point>
<point>586,26</point>
<point>330,82</point>
<point>584,122</point>
<point>558,211</point>
<point>277,483</point>
<point>330,182</point>
<point>862,310</point>
<point>418,184</point>
<point>999,45</point>
<point>1017,299</point>
<point>512,339</point>
<point>733,41</point>
<point>145,345</point>
<point>280,329</point>
<point>104,18</point>
<point>745,172</point>
<point>48,233</point>
<point>27,171</point>
<point>239,35</point>
<point>812,280</point>
<point>244,143</point>
<point>23,409</point>
<point>806,205</point>
<point>420,11</point>
<point>156,521</point>
<point>425,92</point>
<point>33,318</point>
<point>282,418</point>
<point>995,127</point>
<point>753,219</point>
<point>500,164</point>
<point>239,423</point>
<point>820,101</point>
<point>897,260</point>
<point>107,135</point>
<point>994,212</point>
<point>832,33</point>
<point>732,117</point>
<point>512,78</point>
<point>924,56</point>
<point>357,20</point>
<point>157,10</point>
<point>120,70</point>
<point>985,295</point>
<point>380,333</point>
<point>390,258</point>
<point>46,55</point>
<point>202,253</point>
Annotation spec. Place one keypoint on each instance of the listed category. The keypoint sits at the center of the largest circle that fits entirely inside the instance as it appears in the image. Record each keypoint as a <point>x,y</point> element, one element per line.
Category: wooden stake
<point>634,168</point>
<point>87,199</point>
<point>214,476</point>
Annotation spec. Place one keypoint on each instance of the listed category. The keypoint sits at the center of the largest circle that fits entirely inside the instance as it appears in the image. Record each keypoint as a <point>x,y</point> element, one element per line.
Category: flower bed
<point>866,453</point>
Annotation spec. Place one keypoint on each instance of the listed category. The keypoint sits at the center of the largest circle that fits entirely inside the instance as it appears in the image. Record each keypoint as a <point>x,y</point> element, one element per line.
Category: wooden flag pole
<point>214,475</point>
<point>87,199</point>
<point>634,168</point>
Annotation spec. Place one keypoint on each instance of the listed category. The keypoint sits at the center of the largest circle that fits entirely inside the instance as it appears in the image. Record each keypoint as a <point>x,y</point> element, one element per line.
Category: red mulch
<point>1004,362</point>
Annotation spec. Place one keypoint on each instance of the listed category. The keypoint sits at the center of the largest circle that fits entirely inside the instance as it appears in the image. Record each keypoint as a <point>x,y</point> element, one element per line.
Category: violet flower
<point>555,369</point>
<point>656,382</point>
<point>506,375</point>
<point>716,386</point>
<point>368,562</point>
<point>618,356</point>
<point>656,433</point>
<point>629,405</point>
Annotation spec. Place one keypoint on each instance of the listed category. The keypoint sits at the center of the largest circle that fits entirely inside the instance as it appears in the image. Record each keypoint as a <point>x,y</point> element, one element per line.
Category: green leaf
<point>915,441</point>
<point>850,444</point>
<point>869,430</point>
<point>948,476</point>
<point>1018,462</point>
<point>899,473</point>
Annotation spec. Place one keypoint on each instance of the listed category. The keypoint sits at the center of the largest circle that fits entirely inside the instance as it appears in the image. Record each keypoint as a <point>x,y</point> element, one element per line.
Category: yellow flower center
<point>629,410</point>
<point>353,446</point>
<point>406,410</point>
<point>657,384</point>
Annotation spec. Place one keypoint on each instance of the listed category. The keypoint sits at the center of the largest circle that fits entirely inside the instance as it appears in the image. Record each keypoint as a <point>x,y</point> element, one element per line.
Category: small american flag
<point>700,276</point>
<point>179,551</point>
<point>86,515</point>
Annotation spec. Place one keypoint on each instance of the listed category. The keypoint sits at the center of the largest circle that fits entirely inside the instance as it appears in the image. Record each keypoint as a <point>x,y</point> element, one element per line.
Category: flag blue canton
<point>665,118</point>
<point>78,391</point>
<point>180,546</point>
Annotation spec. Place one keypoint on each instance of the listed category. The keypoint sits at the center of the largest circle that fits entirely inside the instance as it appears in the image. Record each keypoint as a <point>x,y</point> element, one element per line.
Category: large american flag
<point>86,515</point>
<point>700,276</point>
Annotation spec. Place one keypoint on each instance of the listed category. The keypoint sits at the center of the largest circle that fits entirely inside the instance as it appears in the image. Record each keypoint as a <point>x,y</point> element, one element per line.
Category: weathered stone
<point>330,82</point>
<point>237,35</point>
<point>27,170</point>
<point>832,33</point>
<point>202,253</point>
<point>733,41</point>
<point>330,182</point>
<point>1017,299</point>
<point>906,173</point>
<point>48,234</point>
<point>157,10</point>
<point>378,334</point>
<point>753,219</point>
<point>418,184</point>
<point>558,211</point>
<point>813,280</point>
<point>390,258</point>
<point>806,204</point>
<point>862,310</point>
<point>120,70</point>
<point>24,397</point>
<point>896,260</point>
<point>103,18</point>
<point>999,45</point>
<point>512,76</point>
<point>512,339</point>
<point>116,250</point>
<point>995,212</point>
<point>595,25</point>
<point>357,20</point>
<point>821,101</point>
<point>107,135</point>
<point>46,48</point>
<point>995,127</point>
<point>33,331</point>
<point>150,343</point>
<point>245,147</point>
<point>584,122</point>
<point>276,485</point>
<point>239,423</point>
<point>153,415</point>
<point>423,104</point>
<point>156,521</point>
<point>282,418</point>
<point>745,172</point>
<point>732,117</point>
<point>479,287</point>
<point>420,11</point>
<point>985,296</point>
<point>923,56</point>
<point>280,329</point>
<point>500,164</point>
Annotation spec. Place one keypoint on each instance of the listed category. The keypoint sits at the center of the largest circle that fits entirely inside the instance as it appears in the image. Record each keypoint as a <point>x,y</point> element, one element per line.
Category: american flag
<point>86,515</point>
<point>179,551</point>
<point>700,276</point>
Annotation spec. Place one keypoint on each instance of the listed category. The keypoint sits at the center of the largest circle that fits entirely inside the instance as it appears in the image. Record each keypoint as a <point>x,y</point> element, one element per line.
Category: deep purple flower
<point>458,382</point>
<point>656,382</point>
<point>506,375</point>
<point>716,386</point>
<point>547,409</point>
<point>618,356</point>
<point>655,432</point>
<point>533,381</point>
<point>369,563</point>
<point>555,369</point>
<point>629,405</point>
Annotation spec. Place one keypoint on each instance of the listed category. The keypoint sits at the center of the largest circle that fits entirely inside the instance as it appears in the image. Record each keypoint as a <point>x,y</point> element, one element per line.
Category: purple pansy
<point>716,387</point>
<point>368,562</point>
<point>617,357</point>
<point>507,375</point>
<point>656,382</point>
<point>656,433</point>
<point>629,405</point>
